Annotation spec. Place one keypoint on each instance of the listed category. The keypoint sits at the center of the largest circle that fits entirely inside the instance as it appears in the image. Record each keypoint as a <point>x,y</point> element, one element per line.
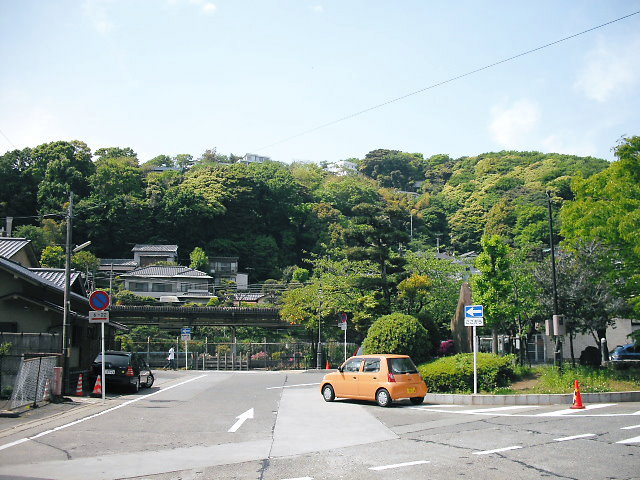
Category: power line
<point>444,82</point>
<point>7,139</point>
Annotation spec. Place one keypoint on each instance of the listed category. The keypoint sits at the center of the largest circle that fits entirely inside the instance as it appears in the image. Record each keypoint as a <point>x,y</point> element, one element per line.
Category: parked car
<point>381,378</point>
<point>625,352</point>
<point>126,369</point>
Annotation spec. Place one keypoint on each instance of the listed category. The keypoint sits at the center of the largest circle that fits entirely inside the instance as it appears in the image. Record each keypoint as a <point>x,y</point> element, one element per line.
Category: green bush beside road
<point>455,374</point>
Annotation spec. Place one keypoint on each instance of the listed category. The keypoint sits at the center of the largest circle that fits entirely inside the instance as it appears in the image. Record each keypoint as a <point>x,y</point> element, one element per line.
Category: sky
<point>183,76</point>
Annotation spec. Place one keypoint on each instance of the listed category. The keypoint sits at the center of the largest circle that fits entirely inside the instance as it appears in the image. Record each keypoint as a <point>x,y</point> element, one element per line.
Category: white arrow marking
<point>241,419</point>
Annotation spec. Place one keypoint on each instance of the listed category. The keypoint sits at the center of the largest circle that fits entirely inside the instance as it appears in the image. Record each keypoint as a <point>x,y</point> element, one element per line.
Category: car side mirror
<point>340,369</point>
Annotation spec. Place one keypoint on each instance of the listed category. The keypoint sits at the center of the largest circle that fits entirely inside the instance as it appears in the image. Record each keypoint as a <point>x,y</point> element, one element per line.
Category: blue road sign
<point>99,300</point>
<point>185,331</point>
<point>473,311</point>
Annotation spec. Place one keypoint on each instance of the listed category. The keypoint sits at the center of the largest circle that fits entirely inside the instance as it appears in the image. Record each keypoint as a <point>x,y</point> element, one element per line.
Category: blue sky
<point>182,76</point>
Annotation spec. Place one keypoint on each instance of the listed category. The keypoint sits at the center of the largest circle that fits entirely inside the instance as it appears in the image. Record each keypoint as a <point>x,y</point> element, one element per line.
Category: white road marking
<point>497,450</point>
<point>290,386</point>
<point>443,406</point>
<point>241,419</point>
<point>398,465</point>
<point>630,428</point>
<point>62,427</point>
<point>584,435</point>
<point>299,478</point>
<point>570,411</point>
<point>498,409</point>
<point>630,440</point>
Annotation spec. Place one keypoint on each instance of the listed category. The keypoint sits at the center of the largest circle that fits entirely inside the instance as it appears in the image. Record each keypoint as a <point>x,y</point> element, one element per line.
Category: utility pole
<point>558,352</point>
<point>65,310</point>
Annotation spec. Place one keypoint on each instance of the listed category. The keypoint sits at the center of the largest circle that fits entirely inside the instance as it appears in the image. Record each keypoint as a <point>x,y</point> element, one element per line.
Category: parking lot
<point>275,425</point>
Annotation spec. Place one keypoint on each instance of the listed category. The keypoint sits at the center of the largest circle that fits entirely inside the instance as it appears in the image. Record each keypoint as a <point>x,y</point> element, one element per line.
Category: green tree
<point>413,291</point>
<point>52,257</point>
<point>85,261</point>
<point>199,260</point>
<point>398,333</point>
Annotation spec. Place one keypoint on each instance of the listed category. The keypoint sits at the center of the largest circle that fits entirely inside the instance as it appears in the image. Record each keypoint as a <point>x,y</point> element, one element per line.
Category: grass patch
<point>592,380</point>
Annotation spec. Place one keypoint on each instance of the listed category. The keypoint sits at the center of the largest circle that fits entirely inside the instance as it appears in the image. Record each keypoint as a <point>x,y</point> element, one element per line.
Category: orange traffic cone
<point>97,388</point>
<point>46,396</point>
<point>79,391</point>
<point>577,398</point>
<point>327,365</point>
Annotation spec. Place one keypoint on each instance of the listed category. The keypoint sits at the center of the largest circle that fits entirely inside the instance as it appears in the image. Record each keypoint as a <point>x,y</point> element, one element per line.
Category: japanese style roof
<point>155,248</point>
<point>125,262</point>
<point>9,246</point>
<point>166,271</point>
<point>56,275</point>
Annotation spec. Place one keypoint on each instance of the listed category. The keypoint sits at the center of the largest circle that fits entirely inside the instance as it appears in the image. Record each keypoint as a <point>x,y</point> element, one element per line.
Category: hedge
<point>398,333</point>
<point>455,374</point>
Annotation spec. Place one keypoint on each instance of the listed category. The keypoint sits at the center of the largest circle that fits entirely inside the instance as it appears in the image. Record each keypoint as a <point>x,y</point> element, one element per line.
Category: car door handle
<point>375,378</point>
<point>355,378</point>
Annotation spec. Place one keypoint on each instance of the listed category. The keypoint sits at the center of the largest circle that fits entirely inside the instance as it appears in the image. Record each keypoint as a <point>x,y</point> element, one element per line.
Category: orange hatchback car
<point>381,378</point>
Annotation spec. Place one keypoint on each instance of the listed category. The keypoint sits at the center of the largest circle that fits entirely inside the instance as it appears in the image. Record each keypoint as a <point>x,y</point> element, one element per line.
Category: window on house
<point>138,286</point>
<point>160,287</point>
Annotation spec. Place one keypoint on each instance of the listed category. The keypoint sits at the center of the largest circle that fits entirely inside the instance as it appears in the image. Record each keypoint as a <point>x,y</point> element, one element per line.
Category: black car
<point>126,369</point>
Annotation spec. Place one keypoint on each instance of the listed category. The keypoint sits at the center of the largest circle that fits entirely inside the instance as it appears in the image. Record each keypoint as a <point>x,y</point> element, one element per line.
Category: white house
<point>159,281</point>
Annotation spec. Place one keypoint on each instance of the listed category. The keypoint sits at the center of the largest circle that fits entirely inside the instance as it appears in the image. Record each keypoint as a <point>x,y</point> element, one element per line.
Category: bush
<point>400,334</point>
<point>455,374</point>
<point>590,356</point>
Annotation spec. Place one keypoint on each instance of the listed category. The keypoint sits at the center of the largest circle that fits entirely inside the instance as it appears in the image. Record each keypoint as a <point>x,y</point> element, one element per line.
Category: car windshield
<point>116,360</point>
<point>402,365</point>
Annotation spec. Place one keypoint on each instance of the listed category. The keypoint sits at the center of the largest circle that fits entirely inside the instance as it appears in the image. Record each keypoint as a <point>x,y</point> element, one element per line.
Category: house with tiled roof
<point>163,280</point>
<point>19,250</point>
<point>144,255</point>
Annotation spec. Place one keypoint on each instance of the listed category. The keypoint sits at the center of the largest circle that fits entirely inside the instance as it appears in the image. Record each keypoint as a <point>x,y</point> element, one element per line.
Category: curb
<point>531,399</point>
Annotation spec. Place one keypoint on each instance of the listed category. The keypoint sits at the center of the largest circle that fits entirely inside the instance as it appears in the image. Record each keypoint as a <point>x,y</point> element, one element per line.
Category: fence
<point>225,356</point>
<point>34,377</point>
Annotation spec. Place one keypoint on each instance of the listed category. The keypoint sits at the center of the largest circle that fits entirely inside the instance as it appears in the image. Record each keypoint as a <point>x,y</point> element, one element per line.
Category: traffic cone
<point>46,396</point>
<point>79,392</point>
<point>97,388</point>
<point>577,398</point>
<point>327,365</point>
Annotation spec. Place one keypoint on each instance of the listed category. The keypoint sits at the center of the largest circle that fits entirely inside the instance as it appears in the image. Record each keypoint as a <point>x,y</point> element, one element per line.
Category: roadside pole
<point>474,317</point>
<point>103,387</point>
<point>186,336</point>
<point>343,325</point>
<point>99,301</point>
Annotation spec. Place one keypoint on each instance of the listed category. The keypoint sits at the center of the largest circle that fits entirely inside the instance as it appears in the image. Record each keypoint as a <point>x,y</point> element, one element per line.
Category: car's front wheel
<point>417,400</point>
<point>328,394</point>
<point>383,398</point>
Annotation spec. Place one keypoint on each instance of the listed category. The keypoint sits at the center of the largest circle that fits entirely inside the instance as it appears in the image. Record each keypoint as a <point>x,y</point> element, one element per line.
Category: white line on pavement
<point>298,385</point>
<point>61,427</point>
<point>584,435</point>
<point>630,428</point>
<point>498,409</point>
<point>630,440</point>
<point>299,478</point>
<point>569,411</point>
<point>442,406</point>
<point>398,465</point>
<point>497,450</point>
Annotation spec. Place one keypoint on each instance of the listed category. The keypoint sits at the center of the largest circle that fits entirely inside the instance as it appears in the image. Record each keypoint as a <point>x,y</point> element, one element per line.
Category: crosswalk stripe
<point>574,437</point>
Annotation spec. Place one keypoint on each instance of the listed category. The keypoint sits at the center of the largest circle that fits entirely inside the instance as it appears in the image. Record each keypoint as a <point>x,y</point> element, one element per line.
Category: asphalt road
<point>276,426</point>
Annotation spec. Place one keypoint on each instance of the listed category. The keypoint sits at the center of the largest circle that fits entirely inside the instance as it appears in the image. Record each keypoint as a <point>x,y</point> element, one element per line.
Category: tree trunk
<point>494,341</point>
<point>573,356</point>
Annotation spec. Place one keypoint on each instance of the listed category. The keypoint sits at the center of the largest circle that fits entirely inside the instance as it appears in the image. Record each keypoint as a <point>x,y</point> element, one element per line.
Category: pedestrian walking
<point>172,359</point>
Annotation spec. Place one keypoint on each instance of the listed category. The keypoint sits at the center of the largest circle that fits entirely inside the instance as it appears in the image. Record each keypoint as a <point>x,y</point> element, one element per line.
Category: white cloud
<point>317,8</point>
<point>512,126</point>
<point>96,12</point>
<point>205,7</point>
<point>209,8</point>
<point>609,69</point>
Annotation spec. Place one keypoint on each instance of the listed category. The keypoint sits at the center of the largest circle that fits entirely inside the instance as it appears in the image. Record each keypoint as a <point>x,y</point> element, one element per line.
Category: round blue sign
<point>99,300</point>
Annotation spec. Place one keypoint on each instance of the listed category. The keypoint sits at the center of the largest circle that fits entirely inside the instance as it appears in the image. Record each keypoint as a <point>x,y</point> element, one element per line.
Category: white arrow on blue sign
<point>473,311</point>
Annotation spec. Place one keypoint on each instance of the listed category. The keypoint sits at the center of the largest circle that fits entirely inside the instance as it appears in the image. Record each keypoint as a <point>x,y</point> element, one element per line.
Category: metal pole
<point>319,353</point>
<point>475,362</point>
<point>345,344</point>
<point>104,382</point>
<point>186,352</point>
<point>65,309</point>
<point>558,353</point>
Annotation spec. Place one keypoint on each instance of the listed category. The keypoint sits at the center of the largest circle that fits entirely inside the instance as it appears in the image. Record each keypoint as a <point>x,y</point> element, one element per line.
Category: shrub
<point>260,356</point>
<point>398,333</point>
<point>590,356</point>
<point>455,373</point>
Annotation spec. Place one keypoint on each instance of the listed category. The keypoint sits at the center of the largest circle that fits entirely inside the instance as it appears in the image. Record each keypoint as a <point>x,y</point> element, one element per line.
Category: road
<point>276,426</point>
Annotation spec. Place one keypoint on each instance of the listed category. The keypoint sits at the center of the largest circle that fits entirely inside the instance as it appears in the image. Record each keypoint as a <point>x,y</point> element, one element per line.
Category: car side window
<point>372,365</point>
<point>353,365</point>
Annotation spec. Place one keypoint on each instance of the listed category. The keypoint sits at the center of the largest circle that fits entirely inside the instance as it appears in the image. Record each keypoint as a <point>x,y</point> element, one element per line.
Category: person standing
<point>172,359</point>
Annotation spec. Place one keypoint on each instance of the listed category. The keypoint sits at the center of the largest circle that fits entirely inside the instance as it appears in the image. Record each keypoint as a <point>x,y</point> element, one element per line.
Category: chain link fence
<point>35,376</point>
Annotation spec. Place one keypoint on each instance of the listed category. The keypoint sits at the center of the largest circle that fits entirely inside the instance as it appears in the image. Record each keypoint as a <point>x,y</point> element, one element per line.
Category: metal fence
<point>33,381</point>
<point>264,355</point>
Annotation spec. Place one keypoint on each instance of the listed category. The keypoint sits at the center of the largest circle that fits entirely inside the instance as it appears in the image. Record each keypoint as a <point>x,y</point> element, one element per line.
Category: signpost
<point>186,336</point>
<point>343,325</point>
<point>474,317</point>
<point>100,301</point>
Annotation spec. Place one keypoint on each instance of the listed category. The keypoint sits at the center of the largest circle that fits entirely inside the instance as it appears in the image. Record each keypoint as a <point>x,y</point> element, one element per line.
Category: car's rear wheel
<point>416,400</point>
<point>383,398</point>
<point>328,394</point>
<point>150,380</point>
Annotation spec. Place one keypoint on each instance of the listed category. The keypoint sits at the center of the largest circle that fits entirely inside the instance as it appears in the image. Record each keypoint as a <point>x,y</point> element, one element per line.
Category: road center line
<point>398,465</point>
<point>76,422</point>
<point>498,450</point>
<point>584,435</point>
<point>290,386</point>
<point>630,428</point>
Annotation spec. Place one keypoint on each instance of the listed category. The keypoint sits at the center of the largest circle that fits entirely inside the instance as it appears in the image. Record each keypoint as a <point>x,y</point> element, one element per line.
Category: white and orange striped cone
<point>97,388</point>
<point>577,397</point>
<point>47,394</point>
<point>79,391</point>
